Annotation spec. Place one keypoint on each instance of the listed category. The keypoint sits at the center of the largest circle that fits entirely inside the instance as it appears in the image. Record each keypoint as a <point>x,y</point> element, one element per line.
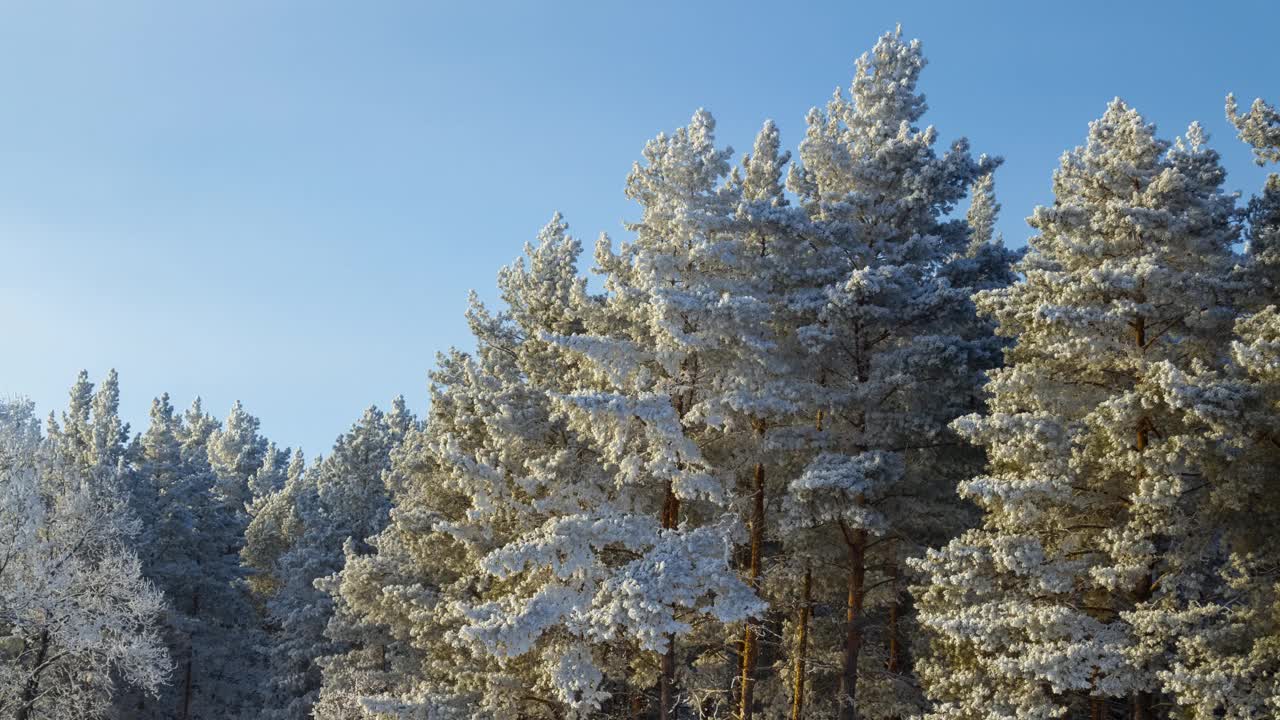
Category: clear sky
<point>287,202</point>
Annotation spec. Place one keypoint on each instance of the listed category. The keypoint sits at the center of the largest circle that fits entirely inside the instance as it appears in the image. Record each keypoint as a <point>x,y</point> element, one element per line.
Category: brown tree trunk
<point>802,650</point>
<point>801,669</point>
<point>32,689</point>
<point>750,641</point>
<point>666,708</point>
<point>1097,703</point>
<point>847,695</point>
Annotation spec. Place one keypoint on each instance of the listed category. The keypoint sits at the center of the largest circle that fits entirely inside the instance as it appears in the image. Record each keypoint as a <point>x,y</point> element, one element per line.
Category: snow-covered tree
<point>1260,128</point>
<point>340,499</point>
<point>899,353</point>
<point>566,518</point>
<point>763,408</point>
<point>663,349</point>
<point>1228,654</point>
<point>76,616</point>
<point>273,528</point>
<point>216,629</point>
<point>271,518</point>
<point>517,538</point>
<point>1068,598</point>
<point>397,611</point>
<point>164,497</point>
<point>986,263</point>
<point>236,454</point>
<point>1226,662</point>
<point>271,475</point>
<point>92,434</point>
<point>187,548</point>
<point>390,607</point>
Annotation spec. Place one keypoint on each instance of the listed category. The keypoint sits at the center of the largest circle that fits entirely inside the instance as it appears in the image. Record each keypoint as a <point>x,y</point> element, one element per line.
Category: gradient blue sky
<point>286,202</point>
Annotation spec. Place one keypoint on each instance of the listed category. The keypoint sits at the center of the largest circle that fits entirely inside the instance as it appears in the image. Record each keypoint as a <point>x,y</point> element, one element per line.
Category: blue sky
<point>286,202</point>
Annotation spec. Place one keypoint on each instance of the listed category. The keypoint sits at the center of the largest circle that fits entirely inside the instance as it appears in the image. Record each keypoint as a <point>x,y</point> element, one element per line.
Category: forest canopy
<point>818,447</point>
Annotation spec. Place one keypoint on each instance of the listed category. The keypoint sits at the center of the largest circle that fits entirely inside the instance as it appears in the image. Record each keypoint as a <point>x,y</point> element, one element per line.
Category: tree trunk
<point>801,669</point>
<point>666,708</point>
<point>1143,706</point>
<point>1097,703</point>
<point>184,711</point>
<point>750,641</point>
<point>848,692</point>
<point>32,689</point>
<point>894,665</point>
<point>802,650</point>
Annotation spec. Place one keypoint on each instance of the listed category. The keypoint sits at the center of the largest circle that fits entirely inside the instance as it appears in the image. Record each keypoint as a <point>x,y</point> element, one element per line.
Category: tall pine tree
<point>1064,599</point>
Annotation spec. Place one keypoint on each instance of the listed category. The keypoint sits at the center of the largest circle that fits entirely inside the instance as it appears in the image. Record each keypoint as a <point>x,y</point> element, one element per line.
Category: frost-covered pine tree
<point>1227,661</point>
<point>899,357</point>
<point>270,512</point>
<point>215,628</point>
<point>91,433</point>
<point>656,356</point>
<point>393,609</point>
<point>236,454</point>
<point>218,670</point>
<point>762,408</point>
<point>564,522</point>
<point>341,498</point>
<point>506,448</point>
<point>400,612</point>
<point>273,528</point>
<point>164,497</point>
<point>986,263</point>
<point>1260,128</point>
<point>1067,599</point>
<point>271,475</point>
<point>187,551</point>
<point>514,538</point>
<point>77,619</point>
